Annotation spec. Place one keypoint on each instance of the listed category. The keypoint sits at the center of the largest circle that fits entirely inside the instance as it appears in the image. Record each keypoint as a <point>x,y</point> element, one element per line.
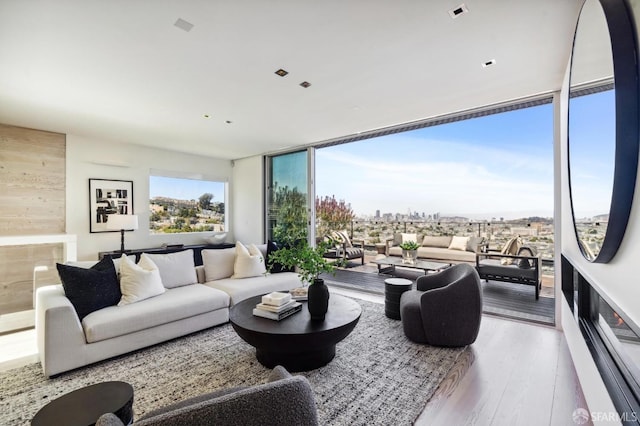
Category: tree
<point>205,201</point>
<point>332,214</point>
<point>289,208</point>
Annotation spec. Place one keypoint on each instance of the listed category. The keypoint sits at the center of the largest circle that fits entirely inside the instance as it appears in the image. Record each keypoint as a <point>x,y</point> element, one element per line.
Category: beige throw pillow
<point>409,237</point>
<point>139,282</point>
<point>440,241</point>
<point>249,262</point>
<point>218,264</point>
<point>176,269</point>
<point>458,243</point>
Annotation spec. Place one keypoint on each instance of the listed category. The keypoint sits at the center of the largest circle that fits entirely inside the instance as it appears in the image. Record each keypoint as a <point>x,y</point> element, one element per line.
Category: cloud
<point>432,176</point>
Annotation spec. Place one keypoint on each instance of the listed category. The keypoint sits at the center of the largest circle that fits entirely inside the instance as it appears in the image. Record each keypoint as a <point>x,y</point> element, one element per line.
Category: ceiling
<point>123,71</point>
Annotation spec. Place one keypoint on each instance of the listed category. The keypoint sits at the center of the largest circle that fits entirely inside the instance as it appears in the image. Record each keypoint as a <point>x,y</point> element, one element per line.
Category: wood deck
<point>509,300</point>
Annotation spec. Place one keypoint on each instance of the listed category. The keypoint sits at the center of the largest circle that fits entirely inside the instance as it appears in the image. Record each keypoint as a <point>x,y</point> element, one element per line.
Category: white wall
<point>248,199</point>
<point>616,279</point>
<point>128,162</point>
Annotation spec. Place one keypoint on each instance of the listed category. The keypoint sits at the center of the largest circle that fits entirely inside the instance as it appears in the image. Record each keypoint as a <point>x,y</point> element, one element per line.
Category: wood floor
<point>516,374</point>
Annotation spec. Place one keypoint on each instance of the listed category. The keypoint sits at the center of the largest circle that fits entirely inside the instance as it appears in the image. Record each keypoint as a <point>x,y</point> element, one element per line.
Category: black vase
<point>318,299</point>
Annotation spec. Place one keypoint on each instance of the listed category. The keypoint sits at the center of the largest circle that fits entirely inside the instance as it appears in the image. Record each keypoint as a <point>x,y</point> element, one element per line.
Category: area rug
<point>378,377</point>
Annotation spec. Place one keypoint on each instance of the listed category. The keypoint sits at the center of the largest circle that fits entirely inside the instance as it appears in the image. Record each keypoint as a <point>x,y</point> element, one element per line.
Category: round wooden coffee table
<point>296,342</point>
<point>84,406</point>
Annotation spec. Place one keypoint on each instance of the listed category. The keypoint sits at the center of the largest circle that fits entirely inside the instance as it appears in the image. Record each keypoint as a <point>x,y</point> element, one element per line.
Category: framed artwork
<point>108,197</point>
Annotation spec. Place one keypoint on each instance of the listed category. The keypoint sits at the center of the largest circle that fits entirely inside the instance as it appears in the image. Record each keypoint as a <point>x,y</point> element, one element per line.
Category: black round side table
<point>393,289</point>
<point>84,406</point>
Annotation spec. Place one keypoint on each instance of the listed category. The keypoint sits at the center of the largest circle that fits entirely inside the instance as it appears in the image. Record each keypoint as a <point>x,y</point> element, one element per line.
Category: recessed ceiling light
<point>305,84</point>
<point>488,63</point>
<point>228,121</point>
<point>282,72</point>
<point>183,25</point>
<point>206,115</point>
<point>457,11</point>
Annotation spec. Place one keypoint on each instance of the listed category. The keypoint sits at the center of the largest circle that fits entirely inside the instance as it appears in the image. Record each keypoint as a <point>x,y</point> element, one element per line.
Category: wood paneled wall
<point>32,202</point>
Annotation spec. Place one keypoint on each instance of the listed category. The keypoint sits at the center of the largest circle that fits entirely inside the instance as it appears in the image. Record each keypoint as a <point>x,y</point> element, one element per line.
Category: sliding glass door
<point>288,195</point>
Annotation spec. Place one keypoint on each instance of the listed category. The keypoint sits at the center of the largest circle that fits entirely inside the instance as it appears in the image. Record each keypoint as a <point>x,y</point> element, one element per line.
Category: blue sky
<point>495,166</point>
<point>592,152</point>
<point>184,189</point>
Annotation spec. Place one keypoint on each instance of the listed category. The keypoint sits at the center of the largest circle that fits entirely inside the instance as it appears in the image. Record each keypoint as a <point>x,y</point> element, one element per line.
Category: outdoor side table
<point>85,405</point>
<point>393,289</point>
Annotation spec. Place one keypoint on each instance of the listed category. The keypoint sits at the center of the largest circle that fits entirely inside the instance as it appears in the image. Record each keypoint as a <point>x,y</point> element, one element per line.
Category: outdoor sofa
<point>447,249</point>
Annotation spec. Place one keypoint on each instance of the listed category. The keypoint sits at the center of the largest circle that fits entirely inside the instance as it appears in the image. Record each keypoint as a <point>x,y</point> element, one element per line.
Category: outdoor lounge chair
<point>345,248</point>
<point>521,268</point>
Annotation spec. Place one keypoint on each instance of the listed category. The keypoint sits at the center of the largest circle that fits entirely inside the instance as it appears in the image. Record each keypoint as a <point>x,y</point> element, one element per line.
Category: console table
<point>197,251</point>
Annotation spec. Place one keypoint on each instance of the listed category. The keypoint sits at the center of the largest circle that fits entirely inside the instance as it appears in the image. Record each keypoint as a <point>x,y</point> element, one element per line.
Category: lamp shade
<point>117,222</point>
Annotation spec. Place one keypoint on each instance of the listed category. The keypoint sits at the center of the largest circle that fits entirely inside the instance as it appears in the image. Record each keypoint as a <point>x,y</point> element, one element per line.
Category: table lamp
<point>122,222</point>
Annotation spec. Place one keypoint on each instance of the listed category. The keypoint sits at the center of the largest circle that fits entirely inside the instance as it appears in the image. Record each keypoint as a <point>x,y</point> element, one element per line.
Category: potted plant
<point>309,263</point>
<point>409,252</point>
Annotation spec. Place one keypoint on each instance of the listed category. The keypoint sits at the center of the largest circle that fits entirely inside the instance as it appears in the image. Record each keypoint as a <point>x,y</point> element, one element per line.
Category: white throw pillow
<point>218,263</point>
<point>139,282</point>
<point>409,237</point>
<point>249,262</point>
<point>176,269</point>
<point>459,243</point>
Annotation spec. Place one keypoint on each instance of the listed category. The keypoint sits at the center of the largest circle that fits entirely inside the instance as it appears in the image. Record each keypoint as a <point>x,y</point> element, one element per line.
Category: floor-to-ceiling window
<point>287,197</point>
<point>488,176</point>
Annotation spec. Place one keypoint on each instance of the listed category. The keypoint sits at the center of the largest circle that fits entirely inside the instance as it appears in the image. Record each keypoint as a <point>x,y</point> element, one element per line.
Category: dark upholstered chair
<point>446,308</point>
<point>283,400</point>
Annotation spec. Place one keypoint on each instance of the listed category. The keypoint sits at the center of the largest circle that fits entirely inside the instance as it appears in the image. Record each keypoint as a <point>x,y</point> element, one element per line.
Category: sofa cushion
<point>173,305</point>
<point>474,244</point>
<point>444,254</point>
<point>90,289</point>
<point>409,238</point>
<point>341,237</point>
<point>176,269</point>
<point>218,264</point>
<point>432,241</point>
<point>458,243</point>
<point>139,282</point>
<point>239,290</point>
<point>249,262</point>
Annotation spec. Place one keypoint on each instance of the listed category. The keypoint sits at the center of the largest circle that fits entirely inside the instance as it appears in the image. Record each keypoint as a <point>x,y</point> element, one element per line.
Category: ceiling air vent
<point>488,63</point>
<point>457,11</point>
<point>183,25</point>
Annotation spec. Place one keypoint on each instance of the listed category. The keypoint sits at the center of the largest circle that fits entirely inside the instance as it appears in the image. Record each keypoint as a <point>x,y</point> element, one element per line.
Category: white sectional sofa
<point>66,342</point>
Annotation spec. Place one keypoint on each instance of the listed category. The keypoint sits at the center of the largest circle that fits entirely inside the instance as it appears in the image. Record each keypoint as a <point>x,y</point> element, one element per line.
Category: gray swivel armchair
<point>446,308</point>
<point>283,400</point>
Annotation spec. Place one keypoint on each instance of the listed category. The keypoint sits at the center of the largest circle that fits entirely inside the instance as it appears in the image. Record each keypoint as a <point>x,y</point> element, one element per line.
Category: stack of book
<point>277,306</point>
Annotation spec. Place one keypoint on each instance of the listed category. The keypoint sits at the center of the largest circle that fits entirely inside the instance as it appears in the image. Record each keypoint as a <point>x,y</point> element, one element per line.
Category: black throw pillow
<point>90,289</point>
<point>275,267</point>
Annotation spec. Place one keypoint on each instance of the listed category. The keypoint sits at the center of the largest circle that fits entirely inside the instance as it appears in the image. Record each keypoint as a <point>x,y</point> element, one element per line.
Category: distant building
<point>377,214</point>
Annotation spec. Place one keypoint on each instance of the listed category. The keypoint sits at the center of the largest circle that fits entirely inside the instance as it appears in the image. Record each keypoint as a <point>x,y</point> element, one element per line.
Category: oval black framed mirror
<point>604,130</point>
